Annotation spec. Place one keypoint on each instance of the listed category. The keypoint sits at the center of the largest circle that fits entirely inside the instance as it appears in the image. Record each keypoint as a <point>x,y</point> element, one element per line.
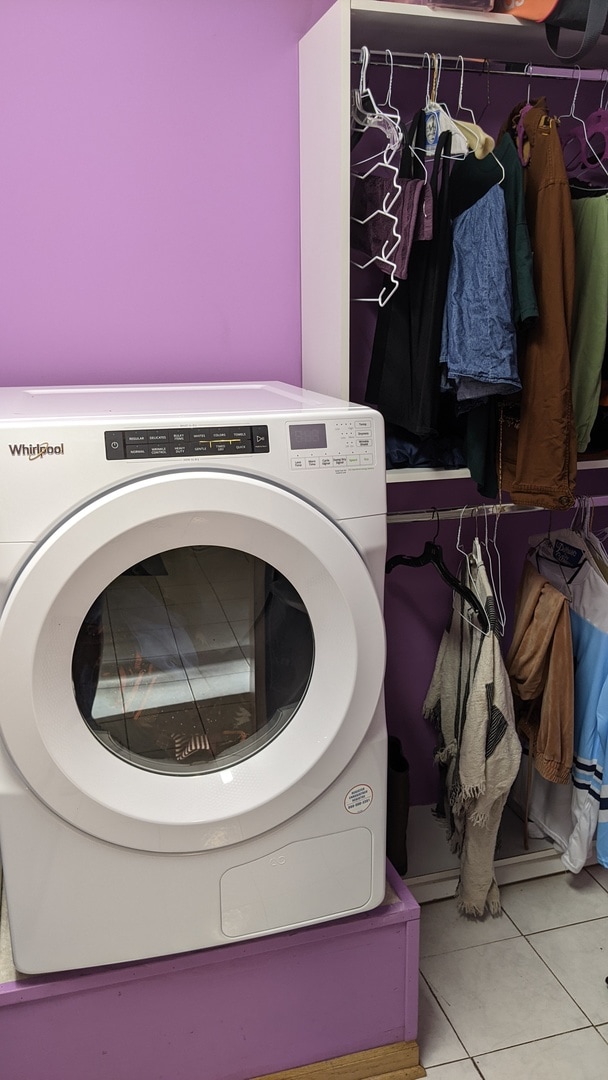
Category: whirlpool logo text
<point>34,451</point>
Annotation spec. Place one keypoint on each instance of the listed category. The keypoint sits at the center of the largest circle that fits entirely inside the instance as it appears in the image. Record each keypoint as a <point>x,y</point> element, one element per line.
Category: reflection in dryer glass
<point>193,659</point>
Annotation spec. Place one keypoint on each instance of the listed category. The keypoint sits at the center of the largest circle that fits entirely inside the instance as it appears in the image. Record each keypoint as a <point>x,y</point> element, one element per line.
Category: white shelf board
<point>415,28</point>
<point>597,463</point>
<point>416,476</point>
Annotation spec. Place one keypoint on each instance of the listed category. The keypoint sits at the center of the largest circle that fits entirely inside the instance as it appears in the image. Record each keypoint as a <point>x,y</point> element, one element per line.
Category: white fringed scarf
<point>470,701</point>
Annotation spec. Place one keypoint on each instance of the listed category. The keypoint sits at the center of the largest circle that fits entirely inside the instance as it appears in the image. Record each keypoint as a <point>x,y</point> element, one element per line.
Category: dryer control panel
<point>334,444</point>
<point>187,442</point>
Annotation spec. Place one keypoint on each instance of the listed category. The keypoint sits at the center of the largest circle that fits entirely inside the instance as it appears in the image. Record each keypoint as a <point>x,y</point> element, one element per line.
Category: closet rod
<point>472,511</point>
<point>414,61</point>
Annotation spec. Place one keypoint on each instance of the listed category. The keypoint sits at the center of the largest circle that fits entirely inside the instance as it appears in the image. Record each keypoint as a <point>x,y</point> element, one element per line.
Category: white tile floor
<point>523,996</point>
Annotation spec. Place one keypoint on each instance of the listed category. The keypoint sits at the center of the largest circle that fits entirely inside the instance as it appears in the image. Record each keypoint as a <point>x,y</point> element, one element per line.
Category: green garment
<point>590,313</point>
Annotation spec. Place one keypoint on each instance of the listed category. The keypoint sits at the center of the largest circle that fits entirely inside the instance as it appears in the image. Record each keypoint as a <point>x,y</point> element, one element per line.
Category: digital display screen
<point>307,436</point>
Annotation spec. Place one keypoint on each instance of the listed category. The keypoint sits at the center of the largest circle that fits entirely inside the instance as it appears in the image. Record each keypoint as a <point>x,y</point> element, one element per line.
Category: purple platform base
<point>230,1013</point>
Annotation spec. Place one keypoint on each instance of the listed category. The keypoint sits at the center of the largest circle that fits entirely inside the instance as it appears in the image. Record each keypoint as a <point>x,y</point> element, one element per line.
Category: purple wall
<point>149,178</point>
<point>150,232</point>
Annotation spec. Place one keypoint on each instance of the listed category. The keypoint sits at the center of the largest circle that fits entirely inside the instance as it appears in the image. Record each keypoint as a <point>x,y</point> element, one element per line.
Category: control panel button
<point>115,446</point>
<point>259,439</point>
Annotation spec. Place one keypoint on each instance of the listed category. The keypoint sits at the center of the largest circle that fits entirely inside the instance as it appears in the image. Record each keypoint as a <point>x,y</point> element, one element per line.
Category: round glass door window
<point>193,660</point>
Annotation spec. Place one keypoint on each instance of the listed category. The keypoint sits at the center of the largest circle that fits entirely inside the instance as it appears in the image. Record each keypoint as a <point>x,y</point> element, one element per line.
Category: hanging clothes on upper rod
<point>471,430</point>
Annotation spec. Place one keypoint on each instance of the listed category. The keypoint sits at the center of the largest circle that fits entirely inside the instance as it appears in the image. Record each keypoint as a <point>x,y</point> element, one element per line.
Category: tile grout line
<point>557,978</point>
<point>448,1021</point>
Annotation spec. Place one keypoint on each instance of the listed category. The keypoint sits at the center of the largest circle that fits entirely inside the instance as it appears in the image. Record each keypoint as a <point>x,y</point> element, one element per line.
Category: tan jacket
<point>541,670</point>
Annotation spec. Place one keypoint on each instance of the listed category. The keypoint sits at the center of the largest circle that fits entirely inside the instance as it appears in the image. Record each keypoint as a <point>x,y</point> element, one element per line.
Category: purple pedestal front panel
<point>223,1014</point>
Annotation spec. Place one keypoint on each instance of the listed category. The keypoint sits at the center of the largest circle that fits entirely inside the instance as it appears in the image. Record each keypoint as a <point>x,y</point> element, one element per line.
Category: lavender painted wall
<point>149,178</point>
<point>149,225</point>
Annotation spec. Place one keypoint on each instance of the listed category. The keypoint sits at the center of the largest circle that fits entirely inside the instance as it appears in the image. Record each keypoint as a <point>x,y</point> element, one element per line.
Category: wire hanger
<point>597,129</point>
<point>366,111</point>
<point>495,582</point>
<point>390,245</point>
<point>387,104</point>
<point>528,72</point>
<point>468,562</point>
<point>436,112</point>
<point>486,68</point>
<point>582,159</point>
<point>432,554</point>
<point>478,140</point>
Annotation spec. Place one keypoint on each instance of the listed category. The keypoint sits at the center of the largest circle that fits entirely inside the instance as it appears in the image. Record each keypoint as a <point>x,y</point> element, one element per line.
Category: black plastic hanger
<point>433,554</point>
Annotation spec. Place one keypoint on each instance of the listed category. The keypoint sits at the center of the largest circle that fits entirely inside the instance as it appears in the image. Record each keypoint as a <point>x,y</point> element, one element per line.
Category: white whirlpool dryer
<point>193,746</point>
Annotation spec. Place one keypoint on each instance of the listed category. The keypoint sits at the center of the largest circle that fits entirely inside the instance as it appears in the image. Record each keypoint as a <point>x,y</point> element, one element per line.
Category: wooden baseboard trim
<point>399,1061</point>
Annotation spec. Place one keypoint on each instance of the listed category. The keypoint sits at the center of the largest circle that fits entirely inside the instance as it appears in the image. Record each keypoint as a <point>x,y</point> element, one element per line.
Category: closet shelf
<point>418,476</point>
<point>489,35</point>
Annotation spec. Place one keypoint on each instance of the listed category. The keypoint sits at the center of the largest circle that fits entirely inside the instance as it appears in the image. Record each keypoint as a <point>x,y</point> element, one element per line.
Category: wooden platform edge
<point>398,1061</point>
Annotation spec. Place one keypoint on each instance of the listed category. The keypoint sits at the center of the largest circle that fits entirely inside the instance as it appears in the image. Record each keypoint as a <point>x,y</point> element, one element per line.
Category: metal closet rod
<point>473,65</point>
<point>479,510</point>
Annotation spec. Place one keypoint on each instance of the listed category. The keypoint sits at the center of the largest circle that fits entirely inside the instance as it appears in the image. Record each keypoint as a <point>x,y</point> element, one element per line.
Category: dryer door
<point>188,661</point>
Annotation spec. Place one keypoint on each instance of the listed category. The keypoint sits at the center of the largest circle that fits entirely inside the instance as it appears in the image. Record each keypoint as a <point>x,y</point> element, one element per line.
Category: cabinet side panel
<point>325,201</point>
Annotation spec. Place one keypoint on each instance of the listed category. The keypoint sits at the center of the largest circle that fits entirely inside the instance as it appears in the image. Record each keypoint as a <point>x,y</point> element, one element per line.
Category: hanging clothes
<point>538,442</point>
<point>565,559</point>
<point>470,702</point>
<point>470,180</point>
<point>478,346</point>
<point>525,307</point>
<point>403,380</point>
<point>541,670</point>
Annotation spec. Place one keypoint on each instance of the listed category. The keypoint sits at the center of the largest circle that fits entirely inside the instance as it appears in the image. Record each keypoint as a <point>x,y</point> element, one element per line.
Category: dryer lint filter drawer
<point>309,879</point>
